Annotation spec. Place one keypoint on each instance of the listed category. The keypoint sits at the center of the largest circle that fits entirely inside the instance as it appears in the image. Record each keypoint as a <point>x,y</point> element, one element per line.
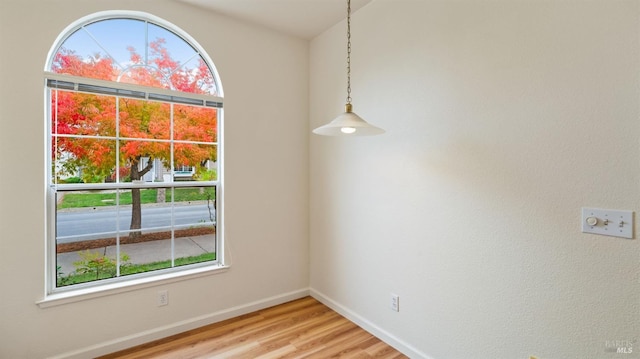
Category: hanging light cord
<point>348,52</point>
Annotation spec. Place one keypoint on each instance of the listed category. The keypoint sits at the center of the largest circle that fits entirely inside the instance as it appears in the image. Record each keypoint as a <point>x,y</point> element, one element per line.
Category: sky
<point>113,36</point>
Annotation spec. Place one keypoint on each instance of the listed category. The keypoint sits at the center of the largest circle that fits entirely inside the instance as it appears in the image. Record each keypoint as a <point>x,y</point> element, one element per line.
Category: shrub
<point>72,180</point>
<point>99,264</point>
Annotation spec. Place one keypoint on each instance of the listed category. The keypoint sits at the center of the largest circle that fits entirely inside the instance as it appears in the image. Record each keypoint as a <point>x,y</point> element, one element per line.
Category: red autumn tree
<point>86,125</point>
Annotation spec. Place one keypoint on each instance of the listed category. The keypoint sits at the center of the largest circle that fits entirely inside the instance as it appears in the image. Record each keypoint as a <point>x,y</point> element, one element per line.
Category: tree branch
<point>146,168</point>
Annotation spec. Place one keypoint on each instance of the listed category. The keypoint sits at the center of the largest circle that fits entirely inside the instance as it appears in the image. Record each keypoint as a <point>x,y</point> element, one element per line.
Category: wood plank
<point>304,328</point>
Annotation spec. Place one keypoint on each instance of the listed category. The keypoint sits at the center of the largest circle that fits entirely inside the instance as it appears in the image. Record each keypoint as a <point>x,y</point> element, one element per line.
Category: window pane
<point>101,50</point>
<point>145,209</point>
<point>83,160</point>
<point>80,55</point>
<point>144,119</point>
<point>86,227</point>
<point>76,113</point>
<point>118,37</point>
<point>179,64</point>
<point>145,161</point>
<point>170,45</point>
<point>195,245</point>
<point>147,256</point>
<point>195,223</point>
<point>84,266</point>
<point>85,216</point>
<point>195,162</point>
<point>194,77</point>
<point>194,206</point>
<point>192,123</point>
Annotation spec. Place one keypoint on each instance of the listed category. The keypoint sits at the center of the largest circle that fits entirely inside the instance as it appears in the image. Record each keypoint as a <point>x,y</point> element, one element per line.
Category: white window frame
<point>55,295</point>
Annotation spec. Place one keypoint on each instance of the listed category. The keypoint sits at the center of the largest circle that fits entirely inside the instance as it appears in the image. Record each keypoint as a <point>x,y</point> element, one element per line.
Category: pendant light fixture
<point>348,123</point>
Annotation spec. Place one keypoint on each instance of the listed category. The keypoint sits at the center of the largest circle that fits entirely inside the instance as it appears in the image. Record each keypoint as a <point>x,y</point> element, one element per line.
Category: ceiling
<point>301,18</point>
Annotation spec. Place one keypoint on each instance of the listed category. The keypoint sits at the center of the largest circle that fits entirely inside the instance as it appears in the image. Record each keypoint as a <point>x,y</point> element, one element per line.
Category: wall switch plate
<point>395,302</point>
<point>607,222</point>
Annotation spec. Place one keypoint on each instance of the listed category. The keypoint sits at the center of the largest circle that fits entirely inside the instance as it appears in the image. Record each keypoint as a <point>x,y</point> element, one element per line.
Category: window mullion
<point>118,191</point>
<point>173,197</point>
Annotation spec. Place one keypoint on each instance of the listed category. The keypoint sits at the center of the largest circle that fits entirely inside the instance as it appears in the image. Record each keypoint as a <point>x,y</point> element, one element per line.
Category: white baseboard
<point>179,327</point>
<point>382,334</point>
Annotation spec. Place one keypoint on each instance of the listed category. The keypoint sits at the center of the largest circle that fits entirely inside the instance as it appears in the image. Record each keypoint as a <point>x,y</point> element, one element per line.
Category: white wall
<point>265,78</point>
<point>504,118</point>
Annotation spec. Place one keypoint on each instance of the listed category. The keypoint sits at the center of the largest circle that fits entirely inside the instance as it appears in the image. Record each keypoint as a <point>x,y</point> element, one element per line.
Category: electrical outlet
<point>395,302</point>
<point>163,298</point>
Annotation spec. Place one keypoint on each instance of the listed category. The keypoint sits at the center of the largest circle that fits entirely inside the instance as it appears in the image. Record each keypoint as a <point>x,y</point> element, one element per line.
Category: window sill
<point>72,296</point>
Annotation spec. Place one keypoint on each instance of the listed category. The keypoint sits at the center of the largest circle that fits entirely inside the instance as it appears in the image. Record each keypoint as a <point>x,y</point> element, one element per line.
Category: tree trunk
<point>136,207</point>
<point>136,203</point>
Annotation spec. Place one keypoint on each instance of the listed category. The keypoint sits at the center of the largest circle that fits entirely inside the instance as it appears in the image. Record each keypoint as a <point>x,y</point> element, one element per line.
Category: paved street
<point>92,223</point>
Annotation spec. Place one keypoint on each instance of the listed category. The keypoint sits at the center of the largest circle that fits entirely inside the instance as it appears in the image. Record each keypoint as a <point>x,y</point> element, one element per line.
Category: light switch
<point>607,222</point>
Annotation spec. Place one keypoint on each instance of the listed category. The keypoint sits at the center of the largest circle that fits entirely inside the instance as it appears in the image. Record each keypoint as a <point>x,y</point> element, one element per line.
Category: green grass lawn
<point>99,199</point>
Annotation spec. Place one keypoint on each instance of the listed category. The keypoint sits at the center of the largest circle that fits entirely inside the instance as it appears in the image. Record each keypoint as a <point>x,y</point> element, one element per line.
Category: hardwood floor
<point>304,328</point>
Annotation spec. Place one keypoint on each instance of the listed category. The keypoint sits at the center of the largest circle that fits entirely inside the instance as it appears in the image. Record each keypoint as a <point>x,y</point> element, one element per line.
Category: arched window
<point>134,118</point>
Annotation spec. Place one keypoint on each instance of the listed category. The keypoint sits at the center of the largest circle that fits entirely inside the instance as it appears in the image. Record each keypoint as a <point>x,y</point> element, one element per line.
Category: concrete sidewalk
<point>146,252</point>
